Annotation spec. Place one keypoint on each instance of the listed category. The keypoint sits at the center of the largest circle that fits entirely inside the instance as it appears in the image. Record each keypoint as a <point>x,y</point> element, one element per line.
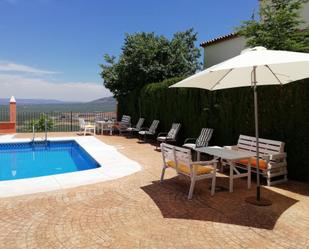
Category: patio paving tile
<point>137,211</point>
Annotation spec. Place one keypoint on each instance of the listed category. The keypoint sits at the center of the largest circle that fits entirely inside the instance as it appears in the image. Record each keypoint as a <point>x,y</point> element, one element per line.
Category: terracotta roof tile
<point>219,39</point>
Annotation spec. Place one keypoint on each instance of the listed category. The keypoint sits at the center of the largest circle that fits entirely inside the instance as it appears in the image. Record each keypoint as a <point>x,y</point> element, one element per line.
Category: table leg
<point>198,156</point>
<point>231,175</point>
<point>249,175</point>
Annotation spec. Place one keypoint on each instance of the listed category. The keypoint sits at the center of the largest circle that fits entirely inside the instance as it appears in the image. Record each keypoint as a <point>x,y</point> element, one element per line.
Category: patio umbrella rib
<point>268,67</point>
<point>218,82</point>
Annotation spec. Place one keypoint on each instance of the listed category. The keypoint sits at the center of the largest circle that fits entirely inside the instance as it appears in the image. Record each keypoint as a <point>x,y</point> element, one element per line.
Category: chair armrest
<point>231,147</point>
<point>162,133</point>
<point>144,129</point>
<point>274,157</point>
<point>205,162</point>
<point>189,139</point>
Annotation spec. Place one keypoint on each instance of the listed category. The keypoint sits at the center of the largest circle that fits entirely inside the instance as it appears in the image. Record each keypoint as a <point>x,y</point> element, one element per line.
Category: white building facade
<point>228,46</point>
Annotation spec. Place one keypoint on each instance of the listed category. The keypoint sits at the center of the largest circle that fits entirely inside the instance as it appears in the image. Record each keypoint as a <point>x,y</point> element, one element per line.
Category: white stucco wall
<point>305,14</point>
<point>223,50</point>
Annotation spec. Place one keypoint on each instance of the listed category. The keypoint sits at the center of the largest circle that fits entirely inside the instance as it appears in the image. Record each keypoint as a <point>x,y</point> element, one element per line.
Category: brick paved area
<point>139,212</point>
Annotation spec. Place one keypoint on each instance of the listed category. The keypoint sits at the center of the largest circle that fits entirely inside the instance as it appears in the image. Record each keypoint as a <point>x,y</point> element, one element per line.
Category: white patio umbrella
<point>253,67</point>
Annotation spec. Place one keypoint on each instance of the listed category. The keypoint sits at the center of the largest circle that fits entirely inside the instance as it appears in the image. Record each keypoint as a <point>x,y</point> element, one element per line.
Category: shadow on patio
<point>295,187</point>
<point>224,207</point>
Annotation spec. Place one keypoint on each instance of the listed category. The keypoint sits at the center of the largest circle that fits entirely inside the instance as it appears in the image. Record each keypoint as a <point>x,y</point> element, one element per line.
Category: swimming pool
<point>43,158</point>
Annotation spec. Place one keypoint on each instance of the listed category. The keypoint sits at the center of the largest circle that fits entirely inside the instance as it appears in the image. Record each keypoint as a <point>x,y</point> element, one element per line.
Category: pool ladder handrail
<point>45,130</point>
<point>33,133</point>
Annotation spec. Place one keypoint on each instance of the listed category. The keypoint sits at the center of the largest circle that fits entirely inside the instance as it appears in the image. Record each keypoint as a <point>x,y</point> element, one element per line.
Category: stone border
<point>113,165</point>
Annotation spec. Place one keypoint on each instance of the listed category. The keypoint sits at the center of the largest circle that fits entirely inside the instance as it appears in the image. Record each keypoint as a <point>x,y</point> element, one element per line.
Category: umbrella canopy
<point>254,66</point>
<point>273,67</point>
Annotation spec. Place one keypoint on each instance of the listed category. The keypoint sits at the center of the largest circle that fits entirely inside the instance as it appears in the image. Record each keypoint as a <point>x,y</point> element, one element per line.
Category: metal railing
<point>60,121</point>
<point>4,114</point>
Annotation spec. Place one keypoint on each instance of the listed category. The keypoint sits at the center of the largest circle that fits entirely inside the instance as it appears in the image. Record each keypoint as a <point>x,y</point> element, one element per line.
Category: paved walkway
<point>138,212</point>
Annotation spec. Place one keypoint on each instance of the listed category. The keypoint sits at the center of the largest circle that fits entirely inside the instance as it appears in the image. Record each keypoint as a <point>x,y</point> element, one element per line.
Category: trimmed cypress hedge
<point>283,115</point>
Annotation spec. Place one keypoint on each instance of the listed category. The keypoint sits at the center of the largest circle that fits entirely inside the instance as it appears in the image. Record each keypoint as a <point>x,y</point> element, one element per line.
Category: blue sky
<point>52,48</point>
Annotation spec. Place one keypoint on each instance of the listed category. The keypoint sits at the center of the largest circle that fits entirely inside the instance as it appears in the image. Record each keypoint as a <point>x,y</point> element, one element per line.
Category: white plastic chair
<point>86,127</point>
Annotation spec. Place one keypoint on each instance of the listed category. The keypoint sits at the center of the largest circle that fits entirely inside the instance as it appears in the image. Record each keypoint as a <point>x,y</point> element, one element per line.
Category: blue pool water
<point>24,160</point>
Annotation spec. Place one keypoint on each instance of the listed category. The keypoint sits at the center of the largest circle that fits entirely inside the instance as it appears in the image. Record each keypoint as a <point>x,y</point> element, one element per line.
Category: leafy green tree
<point>147,58</point>
<point>278,26</point>
<point>39,124</point>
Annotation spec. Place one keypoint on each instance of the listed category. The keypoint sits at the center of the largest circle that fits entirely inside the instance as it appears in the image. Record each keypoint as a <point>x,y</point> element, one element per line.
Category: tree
<point>278,26</point>
<point>147,58</point>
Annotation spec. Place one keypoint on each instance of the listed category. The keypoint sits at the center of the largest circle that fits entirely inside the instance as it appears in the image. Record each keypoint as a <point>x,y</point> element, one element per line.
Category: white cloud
<point>19,68</point>
<point>35,88</point>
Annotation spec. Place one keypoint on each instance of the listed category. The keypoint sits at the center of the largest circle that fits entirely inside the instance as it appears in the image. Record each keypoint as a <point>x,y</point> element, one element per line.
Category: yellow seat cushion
<point>200,169</point>
<point>262,163</point>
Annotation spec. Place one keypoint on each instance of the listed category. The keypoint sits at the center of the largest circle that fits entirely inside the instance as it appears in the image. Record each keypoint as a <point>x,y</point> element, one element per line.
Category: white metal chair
<point>86,127</point>
<point>180,160</point>
<point>169,136</point>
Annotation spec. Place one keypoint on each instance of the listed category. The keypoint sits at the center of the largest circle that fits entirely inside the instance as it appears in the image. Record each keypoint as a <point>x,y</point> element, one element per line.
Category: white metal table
<point>230,156</point>
<point>105,126</point>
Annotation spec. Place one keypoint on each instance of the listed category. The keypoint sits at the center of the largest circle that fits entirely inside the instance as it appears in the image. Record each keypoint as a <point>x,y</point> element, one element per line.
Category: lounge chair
<point>151,131</point>
<point>124,124</point>
<point>179,159</point>
<point>137,127</point>
<point>201,141</point>
<point>86,127</point>
<point>168,136</point>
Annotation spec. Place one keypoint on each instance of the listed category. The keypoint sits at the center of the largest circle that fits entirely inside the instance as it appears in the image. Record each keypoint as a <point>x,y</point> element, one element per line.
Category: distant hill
<point>34,101</point>
<point>107,104</point>
<point>106,100</point>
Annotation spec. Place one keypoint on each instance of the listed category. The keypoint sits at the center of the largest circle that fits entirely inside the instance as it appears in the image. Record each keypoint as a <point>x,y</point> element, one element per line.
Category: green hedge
<point>283,115</point>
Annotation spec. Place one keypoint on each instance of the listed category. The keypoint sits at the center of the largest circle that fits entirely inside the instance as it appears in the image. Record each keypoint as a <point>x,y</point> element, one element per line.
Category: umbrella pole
<point>257,200</point>
<point>258,187</point>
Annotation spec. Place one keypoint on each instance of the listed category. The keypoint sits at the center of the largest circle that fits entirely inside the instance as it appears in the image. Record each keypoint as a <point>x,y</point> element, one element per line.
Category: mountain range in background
<point>105,100</point>
<point>5,101</point>
<point>107,104</point>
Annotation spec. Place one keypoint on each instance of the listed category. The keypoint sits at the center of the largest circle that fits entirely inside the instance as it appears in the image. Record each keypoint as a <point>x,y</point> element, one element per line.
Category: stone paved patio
<point>138,212</point>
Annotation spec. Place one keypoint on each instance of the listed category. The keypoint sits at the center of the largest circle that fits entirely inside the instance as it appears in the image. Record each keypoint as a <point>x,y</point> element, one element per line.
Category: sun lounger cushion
<point>200,170</point>
<point>132,129</point>
<point>161,138</point>
<point>145,133</point>
<point>189,145</point>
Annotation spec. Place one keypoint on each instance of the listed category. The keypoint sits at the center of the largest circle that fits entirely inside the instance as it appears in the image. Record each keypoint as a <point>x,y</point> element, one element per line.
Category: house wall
<point>305,15</point>
<point>223,50</point>
<point>218,52</point>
